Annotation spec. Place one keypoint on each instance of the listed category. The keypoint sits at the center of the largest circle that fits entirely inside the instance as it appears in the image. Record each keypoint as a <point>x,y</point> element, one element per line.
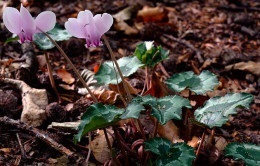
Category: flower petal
<point>12,20</point>
<point>85,17</point>
<point>45,21</point>
<point>94,36</point>
<point>103,22</point>
<point>28,24</point>
<point>74,28</point>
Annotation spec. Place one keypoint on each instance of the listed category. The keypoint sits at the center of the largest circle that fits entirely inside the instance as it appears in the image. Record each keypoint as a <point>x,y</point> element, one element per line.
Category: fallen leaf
<point>120,88</point>
<point>169,131</point>
<point>65,76</point>
<point>194,142</point>
<point>221,143</point>
<point>250,66</point>
<point>152,14</point>
<point>100,148</point>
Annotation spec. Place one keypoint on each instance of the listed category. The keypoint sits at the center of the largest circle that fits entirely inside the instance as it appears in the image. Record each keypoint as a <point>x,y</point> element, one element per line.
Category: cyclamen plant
<point>24,25</point>
<point>88,27</point>
<point>164,109</point>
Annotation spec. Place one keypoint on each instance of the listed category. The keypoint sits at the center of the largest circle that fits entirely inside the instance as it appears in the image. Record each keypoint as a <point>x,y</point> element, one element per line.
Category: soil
<point>200,35</point>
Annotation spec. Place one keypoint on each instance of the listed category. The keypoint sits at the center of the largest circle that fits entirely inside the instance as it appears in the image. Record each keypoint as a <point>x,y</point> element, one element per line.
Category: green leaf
<point>248,152</point>
<point>56,34</point>
<point>166,108</point>
<point>97,116</point>
<point>216,110</point>
<point>152,56</point>
<point>179,154</point>
<point>132,111</point>
<point>199,84</point>
<point>11,39</point>
<point>108,74</point>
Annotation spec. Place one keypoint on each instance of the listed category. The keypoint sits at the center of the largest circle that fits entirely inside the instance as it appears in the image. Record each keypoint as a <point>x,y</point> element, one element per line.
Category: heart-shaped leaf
<point>199,84</point>
<point>179,154</point>
<point>97,116</point>
<point>216,110</point>
<point>132,111</point>
<point>108,74</point>
<point>150,55</point>
<point>57,34</point>
<point>248,152</point>
<point>166,108</point>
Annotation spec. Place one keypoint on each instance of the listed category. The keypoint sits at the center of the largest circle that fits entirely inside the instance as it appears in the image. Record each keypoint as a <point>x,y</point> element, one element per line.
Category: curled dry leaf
<point>123,16</point>
<point>101,92</point>
<point>152,14</point>
<point>194,142</point>
<point>34,102</point>
<point>100,148</point>
<point>250,66</point>
<point>65,76</point>
<point>169,131</point>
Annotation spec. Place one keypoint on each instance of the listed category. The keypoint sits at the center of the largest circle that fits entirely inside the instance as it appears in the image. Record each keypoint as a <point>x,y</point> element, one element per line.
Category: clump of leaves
<point>170,154</point>
<point>166,108</point>
<point>247,152</point>
<point>199,84</point>
<point>57,34</point>
<point>107,73</point>
<point>150,55</point>
<point>216,110</point>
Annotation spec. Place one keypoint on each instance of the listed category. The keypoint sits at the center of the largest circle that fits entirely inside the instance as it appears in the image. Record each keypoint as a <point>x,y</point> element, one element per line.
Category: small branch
<point>38,134</point>
<point>187,44</point>
<point>118,68</point>
<point>51,76</point>
<point>199,148</point>
<point>24,156</point>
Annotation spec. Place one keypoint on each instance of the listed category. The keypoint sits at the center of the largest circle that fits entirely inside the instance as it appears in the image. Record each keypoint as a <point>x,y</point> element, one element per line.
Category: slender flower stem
<point>118,68</point>
<point>81,80</point>
<point>73,67</point>
<point>51,76</point>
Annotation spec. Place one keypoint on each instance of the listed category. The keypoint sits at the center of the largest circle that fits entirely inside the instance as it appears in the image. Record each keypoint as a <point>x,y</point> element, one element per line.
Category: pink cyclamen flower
<point>24,25</point>
<point>89,27</point>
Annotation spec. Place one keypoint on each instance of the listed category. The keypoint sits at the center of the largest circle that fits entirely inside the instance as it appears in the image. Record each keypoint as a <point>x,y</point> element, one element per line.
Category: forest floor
<point>219,36</point>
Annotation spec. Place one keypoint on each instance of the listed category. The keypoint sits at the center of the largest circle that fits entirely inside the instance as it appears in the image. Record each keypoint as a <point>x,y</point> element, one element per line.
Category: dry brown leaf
<point>221,143</point>
<point>169,131</point>
<point>194,142</point>
<point>132,90</point>
<point>100,148</point>
<point>65,76</point>
<point>152,14</point>
<point>105,96</point>
<point>250,66</point>
<point>123,26</point>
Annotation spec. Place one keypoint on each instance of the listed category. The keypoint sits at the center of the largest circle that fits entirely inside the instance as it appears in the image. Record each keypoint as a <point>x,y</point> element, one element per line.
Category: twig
<point>38,134</point>
<point>163,70</point>
<point>118,68</point>
<point>51,76</point>
<point>199,148</point>
<point>187,44</point>
<point>24,156</point>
